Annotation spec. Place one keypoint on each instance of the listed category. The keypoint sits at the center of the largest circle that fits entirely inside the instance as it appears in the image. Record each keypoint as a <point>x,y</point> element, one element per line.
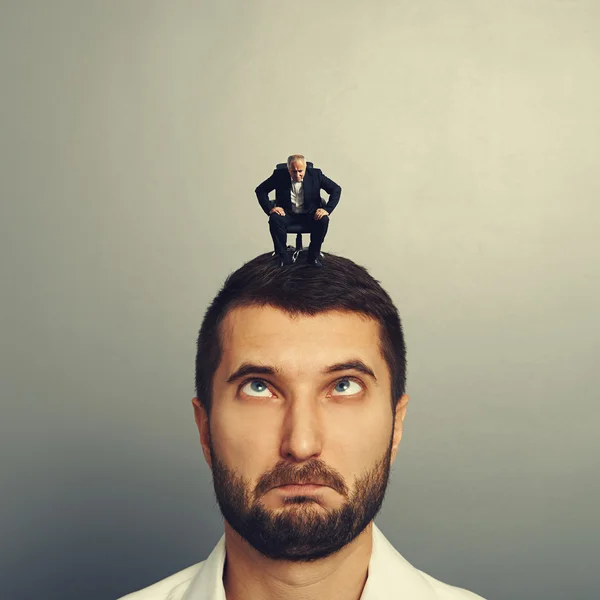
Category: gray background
<point>465,135</point>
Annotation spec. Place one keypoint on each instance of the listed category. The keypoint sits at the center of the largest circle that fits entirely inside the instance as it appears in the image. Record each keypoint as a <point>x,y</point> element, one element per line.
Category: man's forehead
<point>263,326</point>
<point>253,313</point>
<point>300,344</point>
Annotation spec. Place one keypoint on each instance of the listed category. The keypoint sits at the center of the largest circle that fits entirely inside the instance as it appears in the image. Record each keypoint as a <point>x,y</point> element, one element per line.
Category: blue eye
<point>256,387</point>
<point>347,387</point>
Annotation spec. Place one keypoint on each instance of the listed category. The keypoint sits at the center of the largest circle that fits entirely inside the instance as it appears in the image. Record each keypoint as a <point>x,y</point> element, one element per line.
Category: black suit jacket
<point>314,181</point>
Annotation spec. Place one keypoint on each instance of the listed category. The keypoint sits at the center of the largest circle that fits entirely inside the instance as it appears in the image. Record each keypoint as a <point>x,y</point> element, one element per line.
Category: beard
<point>303,530</point>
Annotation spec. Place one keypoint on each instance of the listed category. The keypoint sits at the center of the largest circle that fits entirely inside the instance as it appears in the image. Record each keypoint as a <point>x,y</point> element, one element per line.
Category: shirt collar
<point>387,570</point>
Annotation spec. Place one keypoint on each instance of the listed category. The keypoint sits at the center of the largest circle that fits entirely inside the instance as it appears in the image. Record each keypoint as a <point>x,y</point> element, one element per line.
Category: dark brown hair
<point>302,289</point>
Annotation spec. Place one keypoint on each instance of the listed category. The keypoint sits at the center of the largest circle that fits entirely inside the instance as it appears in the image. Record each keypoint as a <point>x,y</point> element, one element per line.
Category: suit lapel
<point>308,181</point>
<point>308,186</point>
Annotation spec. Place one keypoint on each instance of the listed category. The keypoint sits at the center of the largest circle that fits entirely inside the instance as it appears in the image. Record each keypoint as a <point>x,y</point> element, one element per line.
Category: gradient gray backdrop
<point>465,135</point>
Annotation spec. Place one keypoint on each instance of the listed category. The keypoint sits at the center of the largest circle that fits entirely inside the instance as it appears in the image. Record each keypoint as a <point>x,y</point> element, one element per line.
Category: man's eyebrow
<point>256,369</point>
<point>251,369</point>
<point>352,365</point>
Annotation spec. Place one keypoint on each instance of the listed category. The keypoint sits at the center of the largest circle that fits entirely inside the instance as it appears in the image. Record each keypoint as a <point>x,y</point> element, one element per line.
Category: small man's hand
<point>277,210</point>
<point>320,213</point>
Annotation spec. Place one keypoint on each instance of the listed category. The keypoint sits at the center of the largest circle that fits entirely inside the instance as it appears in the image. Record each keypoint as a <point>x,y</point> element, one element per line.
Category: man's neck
<point>248,575</point>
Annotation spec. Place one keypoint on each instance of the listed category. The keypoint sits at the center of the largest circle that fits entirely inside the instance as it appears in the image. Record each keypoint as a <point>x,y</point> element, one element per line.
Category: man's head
<point>296,166</point>
<point>300,376</point>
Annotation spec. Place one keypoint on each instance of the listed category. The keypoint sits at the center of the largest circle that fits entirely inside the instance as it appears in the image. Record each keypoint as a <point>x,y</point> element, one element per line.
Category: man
<point>298,200</point>
<point>300,408</point>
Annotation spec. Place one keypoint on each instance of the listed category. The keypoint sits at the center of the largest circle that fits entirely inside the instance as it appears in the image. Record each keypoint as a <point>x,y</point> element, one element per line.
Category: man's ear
<point>201,418</point>
<point>398,424</point>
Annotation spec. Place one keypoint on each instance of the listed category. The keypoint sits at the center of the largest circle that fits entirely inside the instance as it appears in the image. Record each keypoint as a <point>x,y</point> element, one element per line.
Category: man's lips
<point>301,488</point>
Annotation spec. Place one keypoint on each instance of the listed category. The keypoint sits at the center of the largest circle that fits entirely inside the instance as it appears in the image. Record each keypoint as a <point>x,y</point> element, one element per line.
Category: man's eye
<point>347,387</point>
<point>256,387</point>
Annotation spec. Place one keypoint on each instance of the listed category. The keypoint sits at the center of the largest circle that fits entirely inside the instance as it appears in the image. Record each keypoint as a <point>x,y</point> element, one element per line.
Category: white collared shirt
<point>297,195</point>
<point>391,577</point>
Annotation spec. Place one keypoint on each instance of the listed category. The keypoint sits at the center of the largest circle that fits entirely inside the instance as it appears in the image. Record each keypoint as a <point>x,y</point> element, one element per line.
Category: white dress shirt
<point>297,195</point>
<point>390,577</point>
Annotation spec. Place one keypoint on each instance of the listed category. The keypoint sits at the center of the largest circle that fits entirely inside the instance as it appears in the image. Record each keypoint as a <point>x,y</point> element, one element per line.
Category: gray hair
<point>295,157</point>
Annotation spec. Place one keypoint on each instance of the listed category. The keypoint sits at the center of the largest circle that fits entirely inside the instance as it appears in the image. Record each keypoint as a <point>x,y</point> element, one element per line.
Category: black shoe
<point>284,260</point>
<point>314,262</point>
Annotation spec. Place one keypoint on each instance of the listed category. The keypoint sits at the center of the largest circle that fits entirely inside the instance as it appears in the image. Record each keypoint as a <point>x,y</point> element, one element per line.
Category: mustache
<point>314,471</point>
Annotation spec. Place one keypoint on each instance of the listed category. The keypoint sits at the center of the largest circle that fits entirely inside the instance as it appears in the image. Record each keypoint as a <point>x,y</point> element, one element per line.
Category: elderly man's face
<point>297,170</point>
<point>300,400</point>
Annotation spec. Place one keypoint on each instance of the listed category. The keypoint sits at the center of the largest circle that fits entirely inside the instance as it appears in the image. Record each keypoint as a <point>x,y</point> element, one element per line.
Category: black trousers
<point>278,227</point>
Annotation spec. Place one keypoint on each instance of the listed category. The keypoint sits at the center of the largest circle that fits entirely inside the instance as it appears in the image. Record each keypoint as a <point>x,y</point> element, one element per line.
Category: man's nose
<point>302,432</point>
